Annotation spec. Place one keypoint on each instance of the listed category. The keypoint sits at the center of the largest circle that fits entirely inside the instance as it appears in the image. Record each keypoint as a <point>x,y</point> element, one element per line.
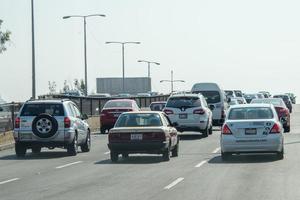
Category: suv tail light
<point>67,122</point>
<point>168,112</point>
<point>226,130</point>
<point>276,129</point>
<point>199,111</point>
<point>17,122</point>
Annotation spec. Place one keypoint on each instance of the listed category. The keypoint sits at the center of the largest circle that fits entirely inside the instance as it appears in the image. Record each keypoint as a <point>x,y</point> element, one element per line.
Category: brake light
<point>226,130</point>
<point>276,129</point>
<point>168,112</point>
<point>199,111</point>
<point>67,122</point>
<point>17,122</point>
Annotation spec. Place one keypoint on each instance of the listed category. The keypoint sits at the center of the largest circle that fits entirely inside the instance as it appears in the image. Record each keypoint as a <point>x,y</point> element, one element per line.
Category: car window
<point>238,93</point>
<point>116,104</point>
<point>139,120</point>
<point>71,110</point>
<point>211,96</point>
<point>77,112</point>
<point>166,120</point>
<point>250,113</point>
<point>187,102</point>
<point>40,108</point>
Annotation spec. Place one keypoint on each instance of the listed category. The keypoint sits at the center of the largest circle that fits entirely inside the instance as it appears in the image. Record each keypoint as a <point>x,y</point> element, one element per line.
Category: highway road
<point>198,173</point>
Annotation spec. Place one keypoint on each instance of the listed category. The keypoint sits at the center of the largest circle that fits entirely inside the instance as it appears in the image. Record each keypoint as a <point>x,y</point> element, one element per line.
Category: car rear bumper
<point>48,144</point>
<point>236,145</point>
<point>139,147</point>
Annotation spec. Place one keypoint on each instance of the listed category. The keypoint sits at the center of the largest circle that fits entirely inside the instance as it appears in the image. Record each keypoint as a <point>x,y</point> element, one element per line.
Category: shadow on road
<point>244,159</point>
<point>133,160</point>
<point>38,156</point>
<point>191,137</point>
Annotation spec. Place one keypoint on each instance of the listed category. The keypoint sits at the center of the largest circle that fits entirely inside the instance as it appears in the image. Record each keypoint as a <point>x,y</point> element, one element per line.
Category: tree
<point>52,87</point>
<point>4,38</point>
<point>82,86</point>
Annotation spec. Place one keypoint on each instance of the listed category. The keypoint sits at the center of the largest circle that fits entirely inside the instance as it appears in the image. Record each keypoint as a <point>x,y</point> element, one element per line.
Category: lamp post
<point>84,41</point>
<point>33,51</point>
<point>123,59</point>
<point>149,64</point>
<point>172,82</point>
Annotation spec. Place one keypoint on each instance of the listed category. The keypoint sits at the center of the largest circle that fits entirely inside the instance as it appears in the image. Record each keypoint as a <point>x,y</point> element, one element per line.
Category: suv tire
<point>73,147</point>
<point>114,156</point>
<point>46,123</point>
<point>86,147</point>
<point>20,149</point>
<point>36,149</point>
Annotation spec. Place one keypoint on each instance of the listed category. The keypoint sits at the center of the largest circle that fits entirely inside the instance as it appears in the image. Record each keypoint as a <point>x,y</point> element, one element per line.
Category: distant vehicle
<point>233,102</point>
<point>292,97</point>
<point>51,123</point>
<point>286,100</point>
<point>112,110</point>
<point>100,95</point>
<point>157,105</point>
<point>233,93</point>
<point>252,128</point>
<point>190,112</point>
<point>73,93</point>
<point>260,96</point>
<point>216,99</point>
<point>124,95</point>
<point>241,100</point>
<point>250,97</point>
<point>143,95</point>
<point>143,132</point>
<point>281,109</point>
<point>266,94</point>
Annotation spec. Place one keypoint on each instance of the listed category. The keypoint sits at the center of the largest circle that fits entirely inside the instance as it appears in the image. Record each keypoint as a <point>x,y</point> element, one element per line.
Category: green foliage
<point>4,37</point>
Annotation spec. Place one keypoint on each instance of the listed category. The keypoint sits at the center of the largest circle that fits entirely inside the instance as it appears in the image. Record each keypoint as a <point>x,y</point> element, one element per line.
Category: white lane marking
<point>107,153</point>
<point>201,163</point>
<point>174,183</point>
<point>67,165</point>
<point>216,150</point>
<point>8,181</point>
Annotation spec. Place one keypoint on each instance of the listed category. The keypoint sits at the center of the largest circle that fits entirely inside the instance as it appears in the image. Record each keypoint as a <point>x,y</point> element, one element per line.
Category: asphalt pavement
<point>198,173</point>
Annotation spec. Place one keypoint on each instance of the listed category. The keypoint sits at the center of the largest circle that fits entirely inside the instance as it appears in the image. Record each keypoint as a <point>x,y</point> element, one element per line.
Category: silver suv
<point>51,123</point>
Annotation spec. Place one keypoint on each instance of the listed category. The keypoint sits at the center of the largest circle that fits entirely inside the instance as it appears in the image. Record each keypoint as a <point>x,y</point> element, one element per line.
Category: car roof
<point>47,101</point>
<point>254,105</point>
<point>158,102</point>
<point>143,112</point>
<point>122,100</point>
<point>186,95</point>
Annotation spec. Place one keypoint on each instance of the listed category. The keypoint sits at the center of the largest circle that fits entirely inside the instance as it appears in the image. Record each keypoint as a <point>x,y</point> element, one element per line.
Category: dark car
<point>143,132</point>
<point>112,110</point>
<point>292,97</point>
<point>286,100</point>
<point>158,105</point>
<point>250,97</point>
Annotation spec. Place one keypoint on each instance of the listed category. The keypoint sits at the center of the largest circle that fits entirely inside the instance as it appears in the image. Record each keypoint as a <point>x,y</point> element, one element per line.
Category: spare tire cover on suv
<point>44,126</point>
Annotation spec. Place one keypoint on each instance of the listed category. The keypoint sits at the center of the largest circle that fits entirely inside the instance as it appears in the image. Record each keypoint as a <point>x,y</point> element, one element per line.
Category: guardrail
<point>8,112</point>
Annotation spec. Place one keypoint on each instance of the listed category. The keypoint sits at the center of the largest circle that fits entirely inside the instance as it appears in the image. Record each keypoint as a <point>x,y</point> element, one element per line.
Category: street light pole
<point>123,59</point>
<point>149,65</point>
<point>84,45</point>
<point>33,51</point>
<point>172,81</point>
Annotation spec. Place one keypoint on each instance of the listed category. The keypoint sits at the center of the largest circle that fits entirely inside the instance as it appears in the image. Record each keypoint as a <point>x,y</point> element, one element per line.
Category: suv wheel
<point>211,130</point>
<point>86,147</point>
<point>36,149</point>
<point>20,149</point>
<point>114,156</point>
<point>206,132</point>
<point>73,147</point>
<point>44,126</point>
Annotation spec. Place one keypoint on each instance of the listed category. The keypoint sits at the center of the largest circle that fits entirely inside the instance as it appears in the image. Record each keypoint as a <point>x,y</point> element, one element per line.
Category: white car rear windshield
<point>183,102</point>
<point>250,113</point>
<point>138,120</point>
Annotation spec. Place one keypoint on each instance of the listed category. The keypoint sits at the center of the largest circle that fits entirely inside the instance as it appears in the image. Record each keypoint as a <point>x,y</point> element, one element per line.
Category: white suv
<point>189,112</point>
<point>51,123</point>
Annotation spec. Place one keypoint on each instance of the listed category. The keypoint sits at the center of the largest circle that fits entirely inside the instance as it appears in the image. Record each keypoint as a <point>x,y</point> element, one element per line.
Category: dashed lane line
<point>174,183</point>
<point>8,181</point>
<point>67,165</point>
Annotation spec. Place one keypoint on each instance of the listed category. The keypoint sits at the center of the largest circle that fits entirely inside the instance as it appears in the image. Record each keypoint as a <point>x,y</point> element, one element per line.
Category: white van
<point>216,99</point>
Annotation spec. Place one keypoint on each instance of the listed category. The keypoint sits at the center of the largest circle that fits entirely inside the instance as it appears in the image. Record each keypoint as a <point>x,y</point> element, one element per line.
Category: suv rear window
<point>187,102</point>
<point>250,113</point>
<point>37,109</point>
<point>211,96</point>
<point>116,104</point>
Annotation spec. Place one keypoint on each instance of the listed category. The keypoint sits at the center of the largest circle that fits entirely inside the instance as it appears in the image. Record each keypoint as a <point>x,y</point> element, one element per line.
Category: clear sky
<point>248,45</point>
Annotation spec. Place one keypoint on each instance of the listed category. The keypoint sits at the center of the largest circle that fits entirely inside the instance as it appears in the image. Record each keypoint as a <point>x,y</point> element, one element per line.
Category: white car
<point>252,128</point>
<point>190,112</point>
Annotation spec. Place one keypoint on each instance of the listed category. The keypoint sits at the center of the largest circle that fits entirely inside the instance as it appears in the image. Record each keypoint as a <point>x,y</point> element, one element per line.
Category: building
<point>114,86</point>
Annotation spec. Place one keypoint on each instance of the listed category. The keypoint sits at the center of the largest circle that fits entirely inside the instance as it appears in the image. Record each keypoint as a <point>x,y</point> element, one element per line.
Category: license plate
<point>250,131</point>
<point>182,116</point>
<point>26,136</point>
<point>136,136</point>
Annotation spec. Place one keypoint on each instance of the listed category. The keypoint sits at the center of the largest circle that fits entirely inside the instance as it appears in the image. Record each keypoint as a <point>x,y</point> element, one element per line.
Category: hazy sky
<point>248,45</point>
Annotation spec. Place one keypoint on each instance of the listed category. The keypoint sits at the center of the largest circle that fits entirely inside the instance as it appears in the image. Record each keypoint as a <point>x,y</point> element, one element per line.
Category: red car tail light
<point>199,111</point>
<point>168,112</point>
<point>17,122</point>
<point>276,129</point>
<point>226,130</point>
<point>67,122</point>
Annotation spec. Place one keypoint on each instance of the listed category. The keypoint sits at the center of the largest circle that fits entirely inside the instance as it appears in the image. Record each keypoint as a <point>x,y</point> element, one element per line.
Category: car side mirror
<point>175,124</point>
<point>211,107</point>
<point>84,117</point>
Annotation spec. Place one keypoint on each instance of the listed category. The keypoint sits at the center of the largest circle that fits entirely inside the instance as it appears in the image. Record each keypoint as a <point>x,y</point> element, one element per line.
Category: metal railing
<point>8,112</point>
